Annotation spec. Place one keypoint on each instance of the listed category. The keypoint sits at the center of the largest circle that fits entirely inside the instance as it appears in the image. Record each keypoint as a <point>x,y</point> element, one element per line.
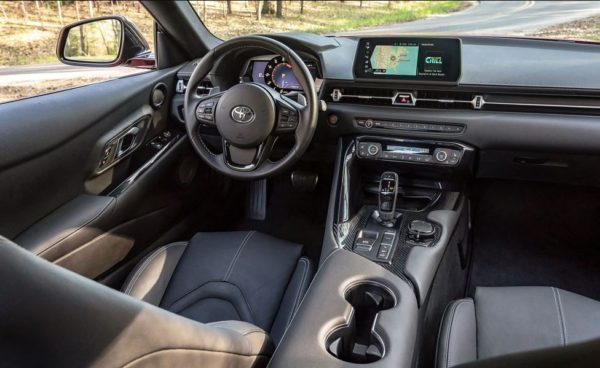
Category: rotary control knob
<point>373,149</point>
<point>441,156</point>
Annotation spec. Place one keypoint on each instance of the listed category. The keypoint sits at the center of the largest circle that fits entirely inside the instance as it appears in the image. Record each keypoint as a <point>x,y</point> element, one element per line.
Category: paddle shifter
<point>388,192</point>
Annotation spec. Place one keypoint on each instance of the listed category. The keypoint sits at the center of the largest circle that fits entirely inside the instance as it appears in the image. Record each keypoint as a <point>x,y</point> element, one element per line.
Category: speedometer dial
<point>279,75</point>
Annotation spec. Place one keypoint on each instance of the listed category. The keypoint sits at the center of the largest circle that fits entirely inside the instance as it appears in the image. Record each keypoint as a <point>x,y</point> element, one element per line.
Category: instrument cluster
<point>276,73</point>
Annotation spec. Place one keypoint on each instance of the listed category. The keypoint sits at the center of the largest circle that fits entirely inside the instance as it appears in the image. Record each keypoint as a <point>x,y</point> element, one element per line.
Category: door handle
<point>123,143</point>
<point>128,141</point>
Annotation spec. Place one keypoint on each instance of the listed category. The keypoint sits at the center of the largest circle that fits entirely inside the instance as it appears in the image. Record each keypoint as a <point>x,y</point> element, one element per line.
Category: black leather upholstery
<point>505,320</point>
<point>242,276</point>
<point>51,317</point>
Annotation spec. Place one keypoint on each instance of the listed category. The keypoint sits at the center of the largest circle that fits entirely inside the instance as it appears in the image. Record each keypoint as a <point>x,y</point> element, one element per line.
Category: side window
<point>28,34</point>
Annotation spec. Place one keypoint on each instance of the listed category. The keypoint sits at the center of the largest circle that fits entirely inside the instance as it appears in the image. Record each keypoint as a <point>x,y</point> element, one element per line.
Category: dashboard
<point>276,72</point>
<point>526,105</point>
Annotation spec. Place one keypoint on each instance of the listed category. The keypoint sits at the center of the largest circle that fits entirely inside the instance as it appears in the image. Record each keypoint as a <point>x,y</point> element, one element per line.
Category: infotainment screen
<point>419,59</point>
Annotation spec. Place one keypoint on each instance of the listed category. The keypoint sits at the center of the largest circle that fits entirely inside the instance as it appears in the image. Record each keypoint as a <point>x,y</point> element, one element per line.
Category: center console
<point>390,193</point>
<point>396,208</point>
<point>396,244</point>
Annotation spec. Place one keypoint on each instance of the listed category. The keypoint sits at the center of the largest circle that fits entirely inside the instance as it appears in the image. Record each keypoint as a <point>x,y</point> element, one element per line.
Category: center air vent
<point>430,99</point>
<point>444,99</point>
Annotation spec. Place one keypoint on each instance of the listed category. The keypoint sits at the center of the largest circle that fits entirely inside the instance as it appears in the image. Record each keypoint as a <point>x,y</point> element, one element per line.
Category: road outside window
<point>28,34</point>
<point>227,19</point>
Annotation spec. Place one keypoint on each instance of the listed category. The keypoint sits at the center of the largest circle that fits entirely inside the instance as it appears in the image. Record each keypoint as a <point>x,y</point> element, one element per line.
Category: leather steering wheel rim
<point>307,119</point>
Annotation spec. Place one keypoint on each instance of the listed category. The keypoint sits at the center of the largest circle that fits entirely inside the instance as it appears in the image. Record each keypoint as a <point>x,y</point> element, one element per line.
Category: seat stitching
<point>294,306</point>
<point>144,265</point>
<point>207,350</point>
<point>237,255</point>
<point>447,352</point>
<point>224,325</point>
<point>439,337</point>
<point>562,316</point>
<point>562,337</point>
<point>196,300</point>
<point>304,277</point>
<point>450,331</point>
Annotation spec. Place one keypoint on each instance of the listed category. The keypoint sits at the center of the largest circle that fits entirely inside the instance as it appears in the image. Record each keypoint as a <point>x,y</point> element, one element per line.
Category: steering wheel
<point>251,116</point>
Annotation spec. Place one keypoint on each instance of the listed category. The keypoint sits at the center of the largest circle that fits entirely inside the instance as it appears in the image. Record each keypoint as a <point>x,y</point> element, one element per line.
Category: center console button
<point>421,233</point>
<point>365,240</point>
<point>369,123</point>
<point>421,228</point>
<point>388,237</point>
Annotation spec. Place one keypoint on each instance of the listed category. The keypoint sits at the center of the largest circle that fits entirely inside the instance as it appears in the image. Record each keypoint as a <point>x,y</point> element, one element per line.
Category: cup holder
<point>357,342</point>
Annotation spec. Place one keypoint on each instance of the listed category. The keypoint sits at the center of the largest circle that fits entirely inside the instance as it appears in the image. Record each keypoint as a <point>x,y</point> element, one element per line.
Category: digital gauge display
<point>278,74</point>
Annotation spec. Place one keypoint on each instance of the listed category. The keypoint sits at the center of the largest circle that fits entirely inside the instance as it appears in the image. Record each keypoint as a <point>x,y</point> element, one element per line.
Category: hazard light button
<point>404,99</point>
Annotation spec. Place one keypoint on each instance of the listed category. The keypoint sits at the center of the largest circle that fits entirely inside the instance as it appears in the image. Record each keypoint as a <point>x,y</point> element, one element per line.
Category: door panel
<point>53,199</point>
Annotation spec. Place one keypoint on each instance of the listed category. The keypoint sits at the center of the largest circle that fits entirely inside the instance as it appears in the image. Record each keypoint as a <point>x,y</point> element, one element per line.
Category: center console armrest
<point>355,311</point>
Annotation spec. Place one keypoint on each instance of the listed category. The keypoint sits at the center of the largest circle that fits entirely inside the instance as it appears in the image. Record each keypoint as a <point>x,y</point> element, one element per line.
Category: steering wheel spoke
<point>247,159</point>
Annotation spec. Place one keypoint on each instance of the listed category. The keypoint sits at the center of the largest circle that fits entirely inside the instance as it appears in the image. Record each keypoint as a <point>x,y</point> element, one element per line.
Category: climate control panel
<point>411,151</point>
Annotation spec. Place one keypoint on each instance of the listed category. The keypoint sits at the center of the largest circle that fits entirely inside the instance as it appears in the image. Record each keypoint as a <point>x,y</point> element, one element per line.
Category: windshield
<point>572,20</point>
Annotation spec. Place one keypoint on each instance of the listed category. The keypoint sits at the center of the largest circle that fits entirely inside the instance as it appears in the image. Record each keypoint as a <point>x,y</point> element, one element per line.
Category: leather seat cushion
<point>504,320</point>
<point>244,276</point>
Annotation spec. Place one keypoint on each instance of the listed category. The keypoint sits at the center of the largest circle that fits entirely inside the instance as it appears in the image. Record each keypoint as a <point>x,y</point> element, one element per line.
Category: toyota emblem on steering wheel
<point>242,114</point>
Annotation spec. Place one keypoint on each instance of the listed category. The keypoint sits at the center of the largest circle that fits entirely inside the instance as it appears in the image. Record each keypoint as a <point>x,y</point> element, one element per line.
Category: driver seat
<point>243,276</point>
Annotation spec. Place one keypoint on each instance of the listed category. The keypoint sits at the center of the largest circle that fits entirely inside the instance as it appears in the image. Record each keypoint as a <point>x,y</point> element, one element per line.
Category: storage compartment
<point>358,342</point>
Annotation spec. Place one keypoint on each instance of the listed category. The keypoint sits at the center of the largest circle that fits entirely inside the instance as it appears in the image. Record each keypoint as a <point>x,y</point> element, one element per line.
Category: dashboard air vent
<point>455,99</point>
<point>204,88</point>
<point>422,98</point>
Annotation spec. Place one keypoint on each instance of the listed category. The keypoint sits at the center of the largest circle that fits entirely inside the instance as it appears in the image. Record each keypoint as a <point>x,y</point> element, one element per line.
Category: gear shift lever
<point>388,192</point>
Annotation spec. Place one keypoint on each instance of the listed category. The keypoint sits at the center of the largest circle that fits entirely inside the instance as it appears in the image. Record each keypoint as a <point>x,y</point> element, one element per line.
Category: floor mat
<point>536,234</point>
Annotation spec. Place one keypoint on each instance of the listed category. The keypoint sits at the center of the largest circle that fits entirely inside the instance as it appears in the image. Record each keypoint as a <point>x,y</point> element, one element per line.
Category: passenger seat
<point>504,320</point>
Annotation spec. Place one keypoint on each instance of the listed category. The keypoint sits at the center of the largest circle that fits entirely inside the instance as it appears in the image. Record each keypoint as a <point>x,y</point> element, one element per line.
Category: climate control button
<point>447,156</point>
<point>373,149</point>
<point>369,149</point>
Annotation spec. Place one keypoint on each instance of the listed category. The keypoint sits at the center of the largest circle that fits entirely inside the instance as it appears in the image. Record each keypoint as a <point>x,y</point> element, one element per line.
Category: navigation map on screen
<point>408,58</point>
<point>395,60</point>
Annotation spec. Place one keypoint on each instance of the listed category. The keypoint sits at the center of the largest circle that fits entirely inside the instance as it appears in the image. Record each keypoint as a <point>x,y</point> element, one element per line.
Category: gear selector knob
<point>386,214</point>
<point>388,192</point>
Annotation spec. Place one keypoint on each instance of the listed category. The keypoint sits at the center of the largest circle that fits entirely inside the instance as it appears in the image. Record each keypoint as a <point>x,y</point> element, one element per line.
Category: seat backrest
<point>53,317</point>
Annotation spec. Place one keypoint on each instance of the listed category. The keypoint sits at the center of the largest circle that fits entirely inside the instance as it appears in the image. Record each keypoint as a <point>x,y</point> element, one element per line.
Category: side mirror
<point>103,41</point>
